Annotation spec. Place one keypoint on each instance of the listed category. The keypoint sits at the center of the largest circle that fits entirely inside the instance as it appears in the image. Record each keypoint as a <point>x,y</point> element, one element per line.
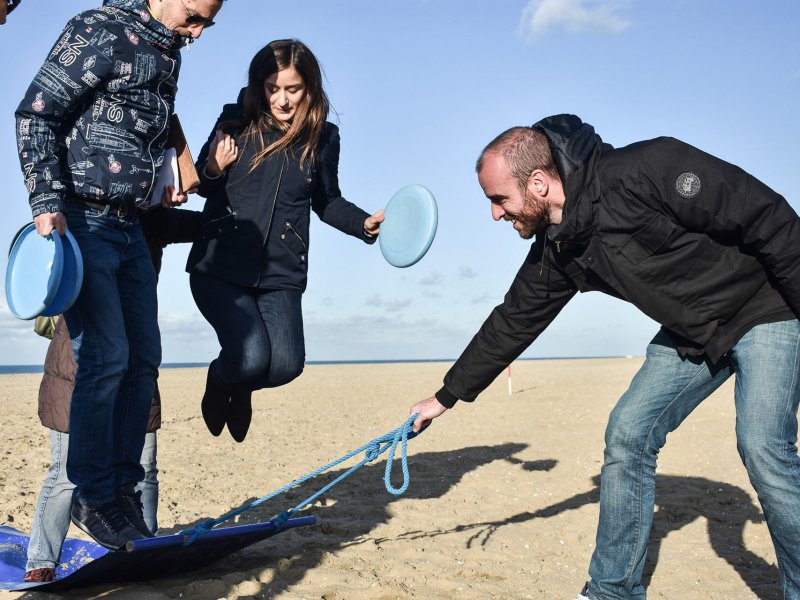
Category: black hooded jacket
<point>255,229</point>
<point>93,124</point>
<point>696,243</point>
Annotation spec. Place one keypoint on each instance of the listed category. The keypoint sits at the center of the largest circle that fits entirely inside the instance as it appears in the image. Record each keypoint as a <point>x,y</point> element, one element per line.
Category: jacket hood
<point>150,29</point>
<point>575,148</point>
<point>572,142</point>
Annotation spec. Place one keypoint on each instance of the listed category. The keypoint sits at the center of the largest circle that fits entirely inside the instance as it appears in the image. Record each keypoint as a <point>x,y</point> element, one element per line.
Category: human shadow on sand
<point>679,501</point>
<point>347,514</point>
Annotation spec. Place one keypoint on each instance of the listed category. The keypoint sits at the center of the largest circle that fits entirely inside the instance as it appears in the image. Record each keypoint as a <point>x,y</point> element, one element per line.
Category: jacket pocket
<point>294,240</point>
<point>221,225</point>
<point>96,172</point>
<point>648,240</point>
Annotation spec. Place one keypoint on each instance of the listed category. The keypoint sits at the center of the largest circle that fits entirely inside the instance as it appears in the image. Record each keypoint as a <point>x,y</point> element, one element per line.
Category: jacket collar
<point>145,25</point>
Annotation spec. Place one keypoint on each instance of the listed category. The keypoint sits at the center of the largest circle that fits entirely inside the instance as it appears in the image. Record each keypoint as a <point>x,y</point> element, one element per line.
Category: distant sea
<point>17,369</point>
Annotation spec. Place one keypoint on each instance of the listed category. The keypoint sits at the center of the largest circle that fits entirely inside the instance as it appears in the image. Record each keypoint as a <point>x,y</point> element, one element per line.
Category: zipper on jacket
<point>271,213</point>
<point>231,213</point>
<point>274,201</point>
<point>297,235</point>
<point>558,245</point>
<point>166,122</point>
<point>544,251</point>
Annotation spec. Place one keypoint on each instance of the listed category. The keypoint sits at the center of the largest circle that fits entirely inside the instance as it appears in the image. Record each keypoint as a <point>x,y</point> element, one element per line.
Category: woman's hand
<point>372,225</point>
<point>221,155</point>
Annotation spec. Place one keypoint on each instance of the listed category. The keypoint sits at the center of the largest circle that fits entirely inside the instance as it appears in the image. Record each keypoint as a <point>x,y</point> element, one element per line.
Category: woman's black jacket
<point>255,225</point>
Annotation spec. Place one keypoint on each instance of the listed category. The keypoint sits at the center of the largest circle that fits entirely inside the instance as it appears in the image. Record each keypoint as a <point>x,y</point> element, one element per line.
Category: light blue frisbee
<point>44,274</point>
<point>71,277</point>
<point>409,226</point>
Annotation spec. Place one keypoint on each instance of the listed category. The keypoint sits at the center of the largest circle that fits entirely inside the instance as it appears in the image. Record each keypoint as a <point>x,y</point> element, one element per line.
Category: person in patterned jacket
<point>91,131</point>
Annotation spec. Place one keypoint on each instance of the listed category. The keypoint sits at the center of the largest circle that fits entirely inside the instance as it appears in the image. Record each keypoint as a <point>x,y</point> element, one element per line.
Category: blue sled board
<point>86,563</point>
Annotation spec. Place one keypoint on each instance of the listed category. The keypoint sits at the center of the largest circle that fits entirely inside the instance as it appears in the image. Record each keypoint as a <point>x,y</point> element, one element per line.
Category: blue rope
<point>372,450</point>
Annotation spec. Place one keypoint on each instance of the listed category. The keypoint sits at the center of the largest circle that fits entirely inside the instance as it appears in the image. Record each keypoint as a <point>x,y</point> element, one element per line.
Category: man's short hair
<point>524,149</point>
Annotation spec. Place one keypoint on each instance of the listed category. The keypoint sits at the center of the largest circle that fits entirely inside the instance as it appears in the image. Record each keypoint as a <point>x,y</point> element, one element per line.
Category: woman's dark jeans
<point>260,332</point>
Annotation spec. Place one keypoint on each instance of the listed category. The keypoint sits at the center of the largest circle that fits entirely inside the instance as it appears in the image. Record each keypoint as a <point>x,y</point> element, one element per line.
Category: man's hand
<point>428,410</point>
<point>372,225</point>
<point>222,154</point>
<point>46,222</point>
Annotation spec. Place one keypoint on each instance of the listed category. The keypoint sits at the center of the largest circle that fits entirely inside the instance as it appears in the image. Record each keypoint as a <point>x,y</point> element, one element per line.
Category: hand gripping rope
<point>372,450</point>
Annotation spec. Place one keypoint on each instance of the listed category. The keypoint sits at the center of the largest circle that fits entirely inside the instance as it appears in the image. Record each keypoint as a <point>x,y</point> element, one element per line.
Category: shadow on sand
<point>679,501</point>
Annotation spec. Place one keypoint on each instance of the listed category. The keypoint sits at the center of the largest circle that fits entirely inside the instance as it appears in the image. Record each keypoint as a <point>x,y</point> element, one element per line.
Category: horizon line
<point>35,368</point>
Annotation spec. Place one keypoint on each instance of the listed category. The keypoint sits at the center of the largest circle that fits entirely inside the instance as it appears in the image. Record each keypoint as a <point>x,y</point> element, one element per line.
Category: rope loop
<point>400,436</point>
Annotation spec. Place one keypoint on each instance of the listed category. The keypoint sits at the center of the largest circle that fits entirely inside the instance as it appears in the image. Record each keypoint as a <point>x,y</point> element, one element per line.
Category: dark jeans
<point>114,330</point>
<point>260,332</point>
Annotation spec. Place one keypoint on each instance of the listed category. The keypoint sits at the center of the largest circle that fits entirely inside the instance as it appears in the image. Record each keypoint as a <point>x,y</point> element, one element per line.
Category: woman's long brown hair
<point>309,120</point>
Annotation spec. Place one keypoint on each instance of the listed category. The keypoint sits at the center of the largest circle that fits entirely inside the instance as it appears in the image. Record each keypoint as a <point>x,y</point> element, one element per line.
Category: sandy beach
<point>502,502</point>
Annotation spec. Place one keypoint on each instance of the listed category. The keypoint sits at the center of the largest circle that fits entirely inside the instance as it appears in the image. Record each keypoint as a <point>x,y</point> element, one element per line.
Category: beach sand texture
<point>502,503</point>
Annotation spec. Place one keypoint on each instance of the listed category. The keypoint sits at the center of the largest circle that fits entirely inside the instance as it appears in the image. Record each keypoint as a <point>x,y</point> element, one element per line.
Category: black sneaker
<point>240,413</point>
<point>129,500</point>
<point>214,405</point>
<point>105,523</point>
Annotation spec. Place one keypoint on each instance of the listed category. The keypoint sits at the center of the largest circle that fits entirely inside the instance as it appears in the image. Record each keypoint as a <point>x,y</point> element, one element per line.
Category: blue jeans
<point>260,332</point>
<point>114,330</point>
<point>51,518</point>
<point>666,389</point>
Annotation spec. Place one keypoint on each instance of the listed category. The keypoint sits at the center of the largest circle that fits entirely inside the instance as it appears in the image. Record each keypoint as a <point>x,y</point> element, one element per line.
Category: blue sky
<point>420,86</point>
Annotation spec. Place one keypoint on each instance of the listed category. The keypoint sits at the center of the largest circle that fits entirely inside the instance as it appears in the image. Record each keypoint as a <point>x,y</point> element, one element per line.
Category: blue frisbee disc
<point>44,274</point>
<point>409,226</point>
<point>76,252</point>
<point>71,277</point>
<point>35,264</point>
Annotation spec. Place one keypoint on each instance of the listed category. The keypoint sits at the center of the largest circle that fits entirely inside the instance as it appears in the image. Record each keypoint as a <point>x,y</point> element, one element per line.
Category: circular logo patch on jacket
<point>688,184</point>
<point>38,104</point>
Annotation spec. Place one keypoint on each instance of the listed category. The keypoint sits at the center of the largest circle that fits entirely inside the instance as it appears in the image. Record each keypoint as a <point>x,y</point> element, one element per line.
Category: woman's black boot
<point>240,413</point>
<point>216,401</point>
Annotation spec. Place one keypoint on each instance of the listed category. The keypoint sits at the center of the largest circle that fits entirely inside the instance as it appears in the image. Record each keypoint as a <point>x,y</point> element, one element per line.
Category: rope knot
<point>281,520</point>
<point>202,528</point>
<point>373,450</point>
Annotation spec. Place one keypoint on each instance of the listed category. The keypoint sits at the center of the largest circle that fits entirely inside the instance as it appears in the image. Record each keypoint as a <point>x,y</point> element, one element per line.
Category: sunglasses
<point>193,18</point>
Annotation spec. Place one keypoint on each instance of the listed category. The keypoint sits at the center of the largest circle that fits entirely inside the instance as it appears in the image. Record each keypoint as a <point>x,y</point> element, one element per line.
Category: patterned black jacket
<point>93,123</point>
<point>696,243</point>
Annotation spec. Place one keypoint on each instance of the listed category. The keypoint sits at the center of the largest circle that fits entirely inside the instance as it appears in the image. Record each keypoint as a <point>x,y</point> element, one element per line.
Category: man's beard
<point>535,216</point>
